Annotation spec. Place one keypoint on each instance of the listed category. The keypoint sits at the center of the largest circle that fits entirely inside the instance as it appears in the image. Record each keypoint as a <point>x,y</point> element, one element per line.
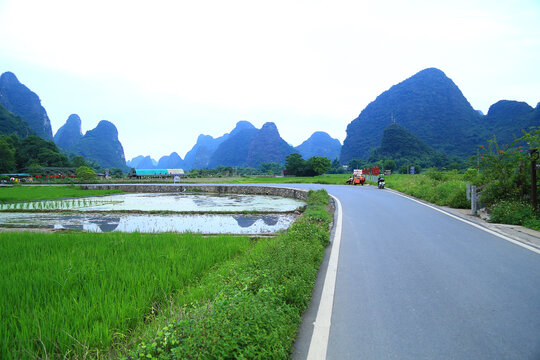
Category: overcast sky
<point>166,71</point>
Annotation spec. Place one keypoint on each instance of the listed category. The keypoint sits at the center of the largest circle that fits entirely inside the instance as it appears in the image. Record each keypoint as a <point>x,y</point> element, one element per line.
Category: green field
<point>27,193</point>
<point>65,293</point>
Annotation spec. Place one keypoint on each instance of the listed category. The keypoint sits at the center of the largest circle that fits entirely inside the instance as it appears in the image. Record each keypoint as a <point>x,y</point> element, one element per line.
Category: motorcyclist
<point>380,180</point>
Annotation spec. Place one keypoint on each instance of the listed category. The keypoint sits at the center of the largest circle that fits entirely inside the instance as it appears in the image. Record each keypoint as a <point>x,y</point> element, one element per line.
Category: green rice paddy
<point>66,293</point>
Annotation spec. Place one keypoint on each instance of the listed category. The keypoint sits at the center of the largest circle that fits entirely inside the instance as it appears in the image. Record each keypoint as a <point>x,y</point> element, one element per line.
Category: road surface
<point>415,283</point>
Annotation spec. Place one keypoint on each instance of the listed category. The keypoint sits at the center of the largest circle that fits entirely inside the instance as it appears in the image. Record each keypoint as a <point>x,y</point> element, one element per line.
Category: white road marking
<point>504,237</point>
<point>321,327</point>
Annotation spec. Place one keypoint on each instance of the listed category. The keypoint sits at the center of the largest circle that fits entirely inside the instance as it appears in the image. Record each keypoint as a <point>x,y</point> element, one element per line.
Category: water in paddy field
<point>203,223</point>
<point>165,202</point>
<point>154,223</point>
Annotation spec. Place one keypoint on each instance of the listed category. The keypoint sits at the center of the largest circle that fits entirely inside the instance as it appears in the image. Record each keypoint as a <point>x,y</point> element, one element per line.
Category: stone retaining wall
<point>216,189</point>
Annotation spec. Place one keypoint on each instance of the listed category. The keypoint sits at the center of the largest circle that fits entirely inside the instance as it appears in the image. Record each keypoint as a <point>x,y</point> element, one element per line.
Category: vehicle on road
<point>380,182</point>
<point>356,178</point>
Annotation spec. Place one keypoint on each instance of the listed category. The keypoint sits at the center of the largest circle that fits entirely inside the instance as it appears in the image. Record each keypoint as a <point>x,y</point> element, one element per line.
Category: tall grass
<point>63,294</point>
<point>445,189</point>
<point>28,193</point>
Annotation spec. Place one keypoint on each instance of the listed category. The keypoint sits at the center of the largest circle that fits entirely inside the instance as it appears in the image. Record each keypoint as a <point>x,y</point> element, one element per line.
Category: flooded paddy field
<point>131,213</point>
<point>184,202</point>
<point>193,223</point>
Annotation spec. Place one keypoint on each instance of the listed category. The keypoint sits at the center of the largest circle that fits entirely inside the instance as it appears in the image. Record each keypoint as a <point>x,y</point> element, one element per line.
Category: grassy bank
<point>445,189</point>
<point>75,293</point>
<point>27,193</point>
<point>250,308</point>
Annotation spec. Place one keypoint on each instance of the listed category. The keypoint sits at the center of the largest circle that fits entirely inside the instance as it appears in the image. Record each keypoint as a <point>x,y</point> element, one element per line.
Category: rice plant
<point>63,290</point>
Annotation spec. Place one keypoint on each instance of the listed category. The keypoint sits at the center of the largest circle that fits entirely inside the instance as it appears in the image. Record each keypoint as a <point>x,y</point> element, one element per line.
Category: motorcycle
<point>380,184</point>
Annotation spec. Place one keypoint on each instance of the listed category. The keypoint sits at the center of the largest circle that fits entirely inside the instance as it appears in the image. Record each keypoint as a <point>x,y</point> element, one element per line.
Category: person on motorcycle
<point>380,182</point>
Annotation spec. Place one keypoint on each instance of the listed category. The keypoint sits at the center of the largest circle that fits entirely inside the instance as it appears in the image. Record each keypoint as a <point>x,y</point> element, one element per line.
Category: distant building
<point>156,173</point>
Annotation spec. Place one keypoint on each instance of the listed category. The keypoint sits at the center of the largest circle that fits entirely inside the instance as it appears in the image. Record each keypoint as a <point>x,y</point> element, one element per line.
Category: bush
<point>85,172</point>
<point>513,212</point>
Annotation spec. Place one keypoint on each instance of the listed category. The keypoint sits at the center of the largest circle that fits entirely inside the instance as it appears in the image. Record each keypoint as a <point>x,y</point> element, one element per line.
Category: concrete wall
<point>216,189</point>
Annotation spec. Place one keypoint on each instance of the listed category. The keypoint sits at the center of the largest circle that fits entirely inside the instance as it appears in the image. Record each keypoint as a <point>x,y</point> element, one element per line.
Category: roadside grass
<point>77,294</point>
<point>515,213</point>
<point>446,190</point>
<point>249,308</point>
<point>335,179</point>
<point>27,193</point>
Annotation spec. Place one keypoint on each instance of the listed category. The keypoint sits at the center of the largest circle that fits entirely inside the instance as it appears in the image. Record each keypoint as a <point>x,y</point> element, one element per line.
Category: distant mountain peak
<point>432,71</point>
<point>320,144</point>
<point>21,101</point>
<point>74,119</point>
<point>203,137</point>
<point>101,144</point>
<point>427,104</point>
<point>270,126</point>
<point>241,126</point>
<point>69,133</point>
<point>105,128</point>
<point>8,77</point>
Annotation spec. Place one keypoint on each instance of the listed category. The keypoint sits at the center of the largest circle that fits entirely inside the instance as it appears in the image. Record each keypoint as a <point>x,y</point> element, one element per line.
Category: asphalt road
<point>414,283</point>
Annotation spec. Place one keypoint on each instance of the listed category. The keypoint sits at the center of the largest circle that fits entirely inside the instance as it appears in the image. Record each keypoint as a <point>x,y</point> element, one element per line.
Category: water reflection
<point>247,220</point>
<point>205,224</point>
<point>194,202</point>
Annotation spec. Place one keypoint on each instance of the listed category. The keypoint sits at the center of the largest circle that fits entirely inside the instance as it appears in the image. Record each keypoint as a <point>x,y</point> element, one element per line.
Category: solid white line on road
<point>504,237</point>
<point>321,326</point>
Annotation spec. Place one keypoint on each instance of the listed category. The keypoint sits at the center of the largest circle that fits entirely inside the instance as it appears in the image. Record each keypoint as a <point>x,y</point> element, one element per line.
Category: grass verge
<point>448,190</point>
<point>251,308</point>
<point>27,193</point>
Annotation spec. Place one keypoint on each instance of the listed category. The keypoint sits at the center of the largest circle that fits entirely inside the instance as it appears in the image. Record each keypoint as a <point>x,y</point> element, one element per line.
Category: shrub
<point>513,212</point>
<point>85,172</point>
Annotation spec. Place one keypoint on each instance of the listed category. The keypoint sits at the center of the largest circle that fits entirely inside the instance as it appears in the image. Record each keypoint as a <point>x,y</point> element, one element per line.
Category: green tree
<point>78,161</point>
<point>504,170</point>
<point>337,168</point>
<point>116,173</point>
<point>295,164</point>
<point>389,165</point>
<point>318,165</point>
<point>404,169</point>
<point>356,164</point>
<point>271,168</point>
<point>35,150</point>
<point>7,156</point>
<point>86,173</point>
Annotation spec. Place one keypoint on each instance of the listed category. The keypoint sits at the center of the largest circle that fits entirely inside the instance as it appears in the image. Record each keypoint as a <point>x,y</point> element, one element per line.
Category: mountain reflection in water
<point>202,223</point>
<point>247,221</point>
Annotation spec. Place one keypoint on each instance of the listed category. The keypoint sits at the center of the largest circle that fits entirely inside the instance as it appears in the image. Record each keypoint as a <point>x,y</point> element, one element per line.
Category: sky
<point>166,71</point>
